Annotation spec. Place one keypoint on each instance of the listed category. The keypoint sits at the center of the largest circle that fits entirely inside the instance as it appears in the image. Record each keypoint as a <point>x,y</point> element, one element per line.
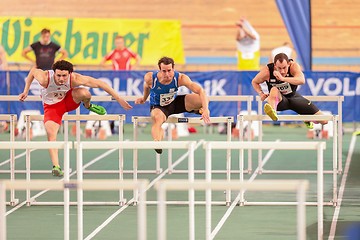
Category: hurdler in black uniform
<point>290,98</point>
<point>282,78</point>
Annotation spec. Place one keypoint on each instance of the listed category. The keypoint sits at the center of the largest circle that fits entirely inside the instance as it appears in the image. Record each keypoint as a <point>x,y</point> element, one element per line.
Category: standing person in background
<point>3,62</point>
<point>45,51</point>
<point>285,48</point>
<point>248,46</point>
<point>121,56</point>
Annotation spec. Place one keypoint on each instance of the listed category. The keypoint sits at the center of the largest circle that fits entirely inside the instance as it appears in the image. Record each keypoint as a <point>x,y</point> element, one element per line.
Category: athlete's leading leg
<point>193,103</point>
<point>273,100</point>
<point>83,95</point>
<point>157,133</point>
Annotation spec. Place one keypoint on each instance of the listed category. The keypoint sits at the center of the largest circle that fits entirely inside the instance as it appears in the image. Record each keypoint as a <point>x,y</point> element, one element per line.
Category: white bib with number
<point>167,98</point>
<point>284,88</point>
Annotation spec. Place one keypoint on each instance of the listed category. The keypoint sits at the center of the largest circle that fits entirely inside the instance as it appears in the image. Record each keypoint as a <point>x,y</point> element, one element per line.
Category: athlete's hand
<point>263,96</point>
<point>23,96</point>
<point>140,101</point>
<point>278,75</point>
<point>206,116</point>
<point>124,104</point>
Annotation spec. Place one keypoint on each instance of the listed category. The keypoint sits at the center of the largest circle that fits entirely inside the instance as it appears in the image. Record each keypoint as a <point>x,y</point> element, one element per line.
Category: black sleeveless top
<point>285,88</point>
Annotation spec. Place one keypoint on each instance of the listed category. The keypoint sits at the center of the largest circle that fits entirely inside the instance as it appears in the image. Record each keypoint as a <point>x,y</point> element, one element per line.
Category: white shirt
<point>54,93</point>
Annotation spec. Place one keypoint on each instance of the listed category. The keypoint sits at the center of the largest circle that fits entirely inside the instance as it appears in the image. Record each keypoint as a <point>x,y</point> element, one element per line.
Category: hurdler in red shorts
<point>61,92</point>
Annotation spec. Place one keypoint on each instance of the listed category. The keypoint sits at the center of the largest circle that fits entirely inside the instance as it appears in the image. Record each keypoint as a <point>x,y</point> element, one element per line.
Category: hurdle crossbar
<point>34,145</point>
<point>141,119</point>
<point>73,117</point>
<point>289,117</point>
<point>97,185</point>
<point>298,186</point>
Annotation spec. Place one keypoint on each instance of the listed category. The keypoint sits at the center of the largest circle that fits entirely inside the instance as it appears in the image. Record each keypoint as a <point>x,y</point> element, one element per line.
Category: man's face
<point>61,76</point>
<point>282,67</point>
<point>166,71</point>
<point>119,43</point>
<point>45,37</point>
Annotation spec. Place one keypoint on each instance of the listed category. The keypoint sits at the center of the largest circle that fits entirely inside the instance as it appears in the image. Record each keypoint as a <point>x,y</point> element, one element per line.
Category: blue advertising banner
<point>217,83</point>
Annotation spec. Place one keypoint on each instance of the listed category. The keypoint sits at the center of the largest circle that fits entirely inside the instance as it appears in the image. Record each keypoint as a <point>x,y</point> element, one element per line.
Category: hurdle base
<point>14,203</point>
<point>123,202</point>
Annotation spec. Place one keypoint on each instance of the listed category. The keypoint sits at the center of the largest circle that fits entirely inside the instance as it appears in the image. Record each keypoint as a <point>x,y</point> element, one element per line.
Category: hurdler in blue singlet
<point>163,95</point>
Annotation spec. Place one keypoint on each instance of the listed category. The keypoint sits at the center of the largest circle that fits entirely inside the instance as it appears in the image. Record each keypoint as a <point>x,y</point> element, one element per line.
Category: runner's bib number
<point>166,98</point>
<point>284,88</point>
<point>58,95</point>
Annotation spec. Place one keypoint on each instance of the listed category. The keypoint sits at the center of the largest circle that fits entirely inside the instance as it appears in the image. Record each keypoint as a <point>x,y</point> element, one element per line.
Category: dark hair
<point>281,57</point>
<point>45,30</point>
<point>63,65</point>
<point>166,61</point>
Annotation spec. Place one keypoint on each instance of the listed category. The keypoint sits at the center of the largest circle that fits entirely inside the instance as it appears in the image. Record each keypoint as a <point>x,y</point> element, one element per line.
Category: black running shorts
<point>297,103</point>
<point>177,106</point>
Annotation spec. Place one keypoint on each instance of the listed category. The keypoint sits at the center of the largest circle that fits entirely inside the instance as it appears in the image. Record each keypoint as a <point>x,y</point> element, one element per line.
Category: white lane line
<point>46,190</point>
<point>109,219</point>
<point>237,199</point>
<point>342,188</point>
<point>16,157</point>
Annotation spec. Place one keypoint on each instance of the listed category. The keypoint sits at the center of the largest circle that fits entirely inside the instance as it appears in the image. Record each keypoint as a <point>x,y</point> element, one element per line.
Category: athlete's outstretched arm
<point>39,75</point>
<point>261,77</point>
<point>298,76</point>
<point>147,87</point>
<point>184,80</point>
<point>88,81</point>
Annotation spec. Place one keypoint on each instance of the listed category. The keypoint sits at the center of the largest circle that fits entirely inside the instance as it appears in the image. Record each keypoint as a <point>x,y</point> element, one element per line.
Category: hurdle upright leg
<point>335,162</point>
<point>340,136</point>
<point>320,189</point>
<point>228,161</point>
<point>208,191</point>
<point>2,211</point>
<point>121,160</point>
<point>79,167</point>
<point>13,200</point>
<point>66,192</point>
<point>169,136</point>
<point>27,138</point>
<point>260,138</point>
<point>191,149</point>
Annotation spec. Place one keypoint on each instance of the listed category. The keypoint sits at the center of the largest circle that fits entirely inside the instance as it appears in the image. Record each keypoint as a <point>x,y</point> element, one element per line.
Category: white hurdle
<point>12,119</point>
<point>298,186</point>
<point>78,118</point>
<point>194,120</point>
<point>333,118</point>
<point>39,145</point>
<point>98,185</point>
<point>188,145</point>
<point>317,146</point>
<point>336,99</point>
